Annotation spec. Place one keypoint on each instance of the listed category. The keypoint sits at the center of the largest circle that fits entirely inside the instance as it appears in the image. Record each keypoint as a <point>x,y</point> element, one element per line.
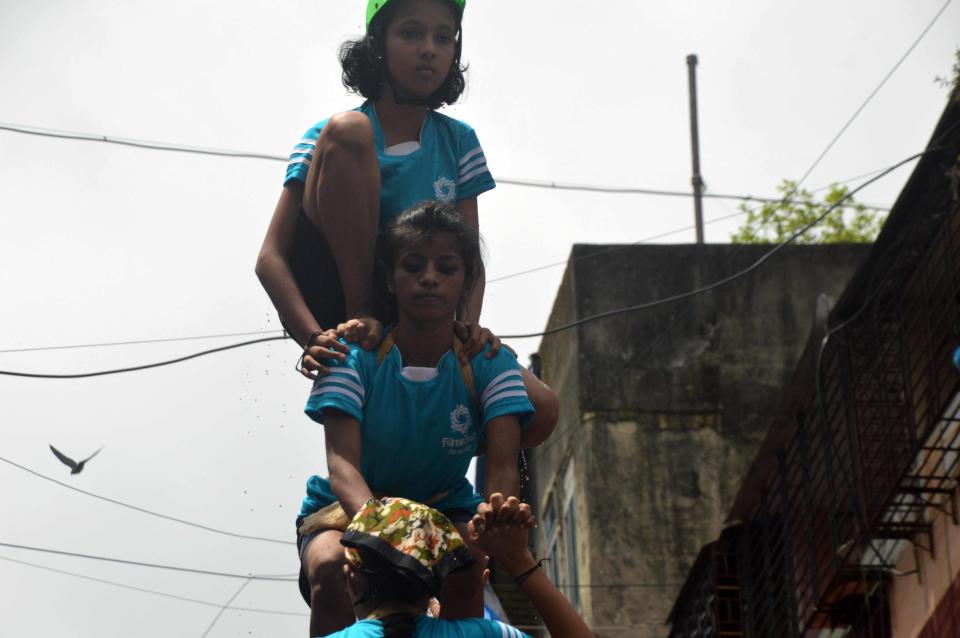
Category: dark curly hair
<point>428,219</point>
<point>365,67</point>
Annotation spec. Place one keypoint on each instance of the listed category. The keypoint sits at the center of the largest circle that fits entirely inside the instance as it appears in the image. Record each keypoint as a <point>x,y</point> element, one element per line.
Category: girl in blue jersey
<point>399,552</point>
<point>353,173</point>
<point>406,419</point>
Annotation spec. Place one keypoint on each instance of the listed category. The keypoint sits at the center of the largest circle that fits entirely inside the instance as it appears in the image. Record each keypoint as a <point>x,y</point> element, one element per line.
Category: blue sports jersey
<point>449,166</point>
<point>427,627</point>
<point>417,436</point>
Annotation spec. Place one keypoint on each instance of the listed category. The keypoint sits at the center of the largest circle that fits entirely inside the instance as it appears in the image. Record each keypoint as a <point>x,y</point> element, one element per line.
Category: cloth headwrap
<point>405,541</point>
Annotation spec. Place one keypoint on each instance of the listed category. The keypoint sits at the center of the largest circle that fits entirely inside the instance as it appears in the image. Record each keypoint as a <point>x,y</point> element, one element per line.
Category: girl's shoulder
<point>465,628</point>
<point>504,359</point>
<point>452,124</point>
<point>361,629</point>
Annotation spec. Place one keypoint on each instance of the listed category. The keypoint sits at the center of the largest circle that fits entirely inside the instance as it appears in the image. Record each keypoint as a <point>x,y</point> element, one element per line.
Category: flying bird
<point>75,468</point>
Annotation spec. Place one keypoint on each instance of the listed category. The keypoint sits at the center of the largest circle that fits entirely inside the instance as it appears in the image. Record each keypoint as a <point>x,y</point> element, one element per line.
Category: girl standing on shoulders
<point>353,173</point>
<point>405,420</point>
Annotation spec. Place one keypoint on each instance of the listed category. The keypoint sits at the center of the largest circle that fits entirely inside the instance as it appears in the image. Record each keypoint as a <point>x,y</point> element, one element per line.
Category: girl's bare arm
<point>503,445</point>
<point>343,460</point>
<point>501,529</point>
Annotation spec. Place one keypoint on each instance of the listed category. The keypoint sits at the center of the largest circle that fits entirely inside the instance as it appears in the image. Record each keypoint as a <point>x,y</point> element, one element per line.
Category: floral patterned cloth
<point>410,539</point>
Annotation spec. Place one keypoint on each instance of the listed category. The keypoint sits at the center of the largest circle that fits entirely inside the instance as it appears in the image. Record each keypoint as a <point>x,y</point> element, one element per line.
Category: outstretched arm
<point>501,529</point>
<point>343,460</point>
<point>503,445</point>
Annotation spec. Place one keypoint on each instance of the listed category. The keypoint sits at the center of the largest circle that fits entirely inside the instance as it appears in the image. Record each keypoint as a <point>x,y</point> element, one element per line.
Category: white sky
<point>105,243</point>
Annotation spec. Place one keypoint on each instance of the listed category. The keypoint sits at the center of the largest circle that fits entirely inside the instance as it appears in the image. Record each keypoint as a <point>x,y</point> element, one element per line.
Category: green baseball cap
<point>373,6</point>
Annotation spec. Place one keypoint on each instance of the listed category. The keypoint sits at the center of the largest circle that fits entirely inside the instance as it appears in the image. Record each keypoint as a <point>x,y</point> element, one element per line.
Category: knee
<point>349,131</point>
<point>325,573</point>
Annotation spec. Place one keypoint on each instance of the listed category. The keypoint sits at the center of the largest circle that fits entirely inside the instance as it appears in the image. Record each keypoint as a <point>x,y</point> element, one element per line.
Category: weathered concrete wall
<point>663,409</point>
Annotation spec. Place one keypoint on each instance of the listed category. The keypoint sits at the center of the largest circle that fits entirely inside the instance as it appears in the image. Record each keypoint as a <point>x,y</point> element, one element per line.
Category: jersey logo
<point>460,419</point>
<point>445,189</point>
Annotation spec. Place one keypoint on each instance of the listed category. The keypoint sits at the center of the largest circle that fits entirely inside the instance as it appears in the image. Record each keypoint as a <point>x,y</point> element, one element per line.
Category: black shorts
<point>315,271</point>
<point>458,515</point>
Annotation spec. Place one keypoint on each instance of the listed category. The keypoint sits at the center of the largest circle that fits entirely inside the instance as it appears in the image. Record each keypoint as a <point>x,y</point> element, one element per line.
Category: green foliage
<point>948,82</point>
<point>776,221</point>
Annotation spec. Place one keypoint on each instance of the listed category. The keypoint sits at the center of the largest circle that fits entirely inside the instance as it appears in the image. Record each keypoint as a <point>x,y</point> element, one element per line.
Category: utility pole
<point>697,179</point>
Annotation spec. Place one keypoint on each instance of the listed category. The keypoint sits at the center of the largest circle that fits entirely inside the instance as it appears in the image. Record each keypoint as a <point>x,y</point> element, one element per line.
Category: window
<point>560,536</point>
<point>569,533</point>
<point>550,536</point>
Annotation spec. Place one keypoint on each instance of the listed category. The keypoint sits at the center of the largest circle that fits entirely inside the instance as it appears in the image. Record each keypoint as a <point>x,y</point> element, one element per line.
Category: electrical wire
<point>629,190</point>
<point>141,341</point>
<point>144,510</point>
<point>612,249</point>
<point>187,570</point>
<point>147,366</point>
<point>144,144</point>
<point>224,607</point>
<point>603,315</point>
<point>726,280</point>
<point>219,152</point>
<point>873,93</point>
<point>153,591</point>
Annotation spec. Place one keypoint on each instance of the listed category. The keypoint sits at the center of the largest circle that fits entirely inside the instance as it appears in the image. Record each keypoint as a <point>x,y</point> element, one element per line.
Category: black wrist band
<point>525,575</point>
<point>299,365</point>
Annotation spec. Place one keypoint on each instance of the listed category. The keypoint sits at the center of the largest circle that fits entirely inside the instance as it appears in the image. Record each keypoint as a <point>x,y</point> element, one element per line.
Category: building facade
<point>662,410</point>
<point>847,523</point>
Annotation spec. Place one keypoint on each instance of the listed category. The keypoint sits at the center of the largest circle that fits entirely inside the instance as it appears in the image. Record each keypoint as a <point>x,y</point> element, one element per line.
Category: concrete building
<point>847,523</point>
<point>662,410</point>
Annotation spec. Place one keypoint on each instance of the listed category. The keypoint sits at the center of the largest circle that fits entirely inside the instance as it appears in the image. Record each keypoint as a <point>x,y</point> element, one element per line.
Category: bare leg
<point>461,595</point>
<point>342,197</point>
<point>330,606</point>
<point>546,404</point>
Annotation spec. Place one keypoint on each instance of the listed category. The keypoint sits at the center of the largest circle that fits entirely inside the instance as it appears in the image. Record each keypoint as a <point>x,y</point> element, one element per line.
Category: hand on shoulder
<point>366,331</point>
<point>321,347</point>
<point>474,338</point>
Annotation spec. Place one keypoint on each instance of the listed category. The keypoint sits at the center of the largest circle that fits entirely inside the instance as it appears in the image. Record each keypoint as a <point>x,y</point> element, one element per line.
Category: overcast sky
<point>102,243</point>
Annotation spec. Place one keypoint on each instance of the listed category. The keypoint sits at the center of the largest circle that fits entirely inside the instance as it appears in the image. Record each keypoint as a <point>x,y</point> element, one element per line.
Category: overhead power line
<point>873,93</point>
<point>650,304</point>
<point>141,341</point>
<point>145,144</point>
<point>612,249</point>
<point>146,366</point>
<point>219,152</point>
<point>153,592</point>
<point>188,570</point>
<point>224,607</point>
<point>726,280</point>
<point>143,510</point>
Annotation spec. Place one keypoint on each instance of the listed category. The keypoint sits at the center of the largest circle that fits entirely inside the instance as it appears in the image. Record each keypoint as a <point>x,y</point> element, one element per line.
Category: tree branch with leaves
<point>774,222</point>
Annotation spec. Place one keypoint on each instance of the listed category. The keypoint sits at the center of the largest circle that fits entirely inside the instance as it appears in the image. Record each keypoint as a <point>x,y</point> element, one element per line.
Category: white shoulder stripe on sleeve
<point>342,370</point>
<point>502,396</point>
<point>299,160</point>
<point>499,383</point>
<point>466,168</point>
<point>327,389</point>
<point>503,375</point>
<point>466,158</point>
<point>477,171</point>
<point>508,631</point>
<point>342,381</point>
